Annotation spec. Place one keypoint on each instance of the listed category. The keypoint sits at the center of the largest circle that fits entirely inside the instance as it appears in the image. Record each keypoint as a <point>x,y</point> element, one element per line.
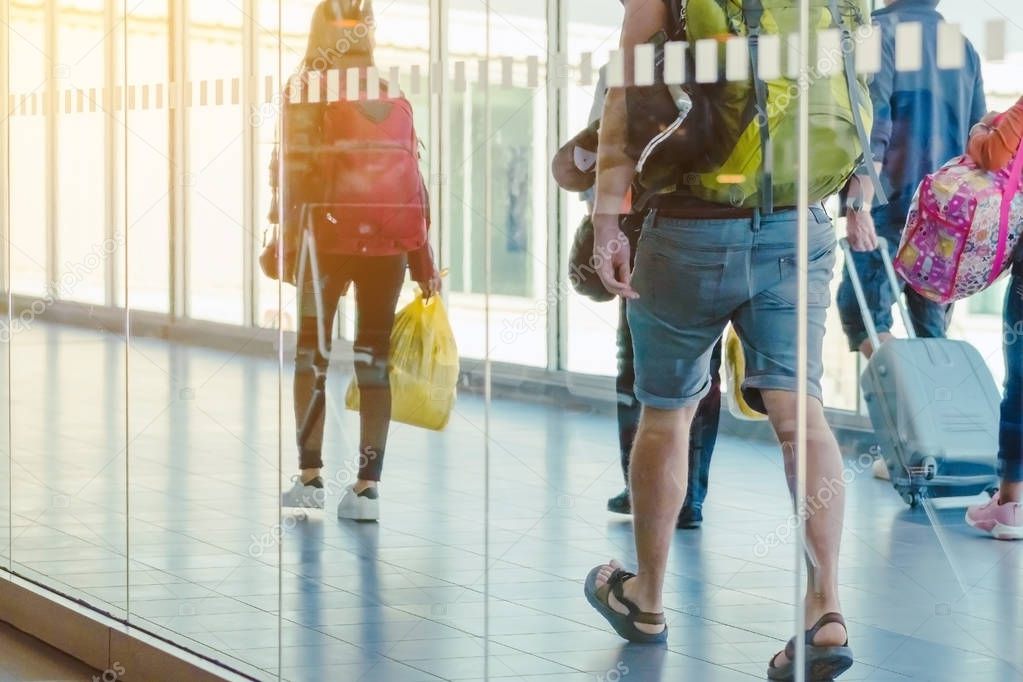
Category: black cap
<point>575,165</point>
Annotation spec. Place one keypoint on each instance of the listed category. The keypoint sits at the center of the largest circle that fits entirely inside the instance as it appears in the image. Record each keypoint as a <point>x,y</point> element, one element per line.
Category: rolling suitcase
<point>933,404</point>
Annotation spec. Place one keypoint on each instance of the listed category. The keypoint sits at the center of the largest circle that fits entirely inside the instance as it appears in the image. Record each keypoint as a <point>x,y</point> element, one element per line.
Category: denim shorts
<point>696,276</point>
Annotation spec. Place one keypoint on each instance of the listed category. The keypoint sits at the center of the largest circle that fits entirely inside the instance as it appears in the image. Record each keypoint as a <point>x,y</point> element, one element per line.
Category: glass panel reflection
<point>147,164</point>
<point>516,277</point>
<point>592,327</point>
<point>29,142</point>
<point>203,420</point>
<point>137,172</point>
<point>69,453</point>
<point>214,172</point>
<point>929,89</point>
<point>6,323</point>
<point>398,598</point>
<point>81,137</point>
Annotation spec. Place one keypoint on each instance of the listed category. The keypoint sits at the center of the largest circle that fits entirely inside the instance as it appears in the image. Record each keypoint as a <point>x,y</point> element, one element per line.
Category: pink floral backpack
<point>962,228</point>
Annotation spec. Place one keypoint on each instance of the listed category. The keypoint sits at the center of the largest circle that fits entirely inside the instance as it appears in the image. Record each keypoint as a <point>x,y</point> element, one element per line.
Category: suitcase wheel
<point>912,499</point>
<point>930,468</point>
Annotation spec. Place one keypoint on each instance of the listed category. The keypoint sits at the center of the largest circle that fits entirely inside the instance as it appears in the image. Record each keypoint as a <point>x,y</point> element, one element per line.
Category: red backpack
<point>369,197</point>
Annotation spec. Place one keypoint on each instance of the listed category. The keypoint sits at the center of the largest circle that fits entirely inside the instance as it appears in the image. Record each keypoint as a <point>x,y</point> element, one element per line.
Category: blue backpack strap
<point>856,100</point>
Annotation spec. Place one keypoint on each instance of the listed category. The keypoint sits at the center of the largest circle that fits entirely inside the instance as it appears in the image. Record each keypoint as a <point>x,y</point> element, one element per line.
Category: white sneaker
<point>303,496</point>
<point>881,470</point>
<point>364,506</point>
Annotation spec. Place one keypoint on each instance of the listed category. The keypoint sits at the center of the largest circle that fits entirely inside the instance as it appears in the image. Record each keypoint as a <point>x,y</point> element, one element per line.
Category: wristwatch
<point>857,204</point>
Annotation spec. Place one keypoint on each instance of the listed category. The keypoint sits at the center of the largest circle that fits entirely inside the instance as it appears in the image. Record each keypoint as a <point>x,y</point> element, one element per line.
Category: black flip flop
<point>823,663</point>
<point>624,624</point>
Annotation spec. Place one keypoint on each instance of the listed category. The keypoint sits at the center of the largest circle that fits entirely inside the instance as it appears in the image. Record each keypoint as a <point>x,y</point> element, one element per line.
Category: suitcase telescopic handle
<point>893,281</point>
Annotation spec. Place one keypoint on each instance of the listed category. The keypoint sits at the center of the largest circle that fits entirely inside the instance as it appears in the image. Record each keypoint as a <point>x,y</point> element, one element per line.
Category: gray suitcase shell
<point>935,406</point>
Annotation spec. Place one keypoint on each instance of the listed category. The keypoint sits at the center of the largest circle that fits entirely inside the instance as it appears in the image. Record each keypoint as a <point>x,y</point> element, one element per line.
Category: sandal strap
<point>827,619</point>
<point>617,583</point>
<point>790,649</point>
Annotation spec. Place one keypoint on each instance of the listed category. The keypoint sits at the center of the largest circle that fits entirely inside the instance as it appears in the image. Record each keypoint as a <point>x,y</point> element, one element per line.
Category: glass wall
<point>593,33</point>
<point>147,170</point>
<point>68,457</point>
<point>978,319</point>
<point>929,81</point>
<point>203,422</point>
<point>5,319</point>
<point>497,179</point>
<point>197,450</point>
<point>213,176</point>
<point>81,212</point>
<point>30,140</point>
<point>583,340</point>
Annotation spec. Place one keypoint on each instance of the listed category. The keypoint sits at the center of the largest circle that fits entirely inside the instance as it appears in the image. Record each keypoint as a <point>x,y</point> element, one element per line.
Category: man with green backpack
<point>720,183</point>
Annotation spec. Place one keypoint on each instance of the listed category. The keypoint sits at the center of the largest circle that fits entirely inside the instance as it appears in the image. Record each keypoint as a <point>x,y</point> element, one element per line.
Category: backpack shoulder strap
<point>752,13</point>
<point>676,12</point>
<point>856,101</point>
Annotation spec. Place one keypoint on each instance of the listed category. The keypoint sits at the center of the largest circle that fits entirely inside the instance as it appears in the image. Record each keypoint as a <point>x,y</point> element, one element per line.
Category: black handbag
<point>582,271</point>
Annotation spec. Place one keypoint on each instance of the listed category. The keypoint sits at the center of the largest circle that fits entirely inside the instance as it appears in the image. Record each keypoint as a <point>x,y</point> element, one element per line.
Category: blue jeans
<point>1010,451</point>
<point>930,319</point>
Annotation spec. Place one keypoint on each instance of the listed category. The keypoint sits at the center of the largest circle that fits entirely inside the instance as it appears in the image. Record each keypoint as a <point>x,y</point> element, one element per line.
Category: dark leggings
<point>1010,452</point>
<point>378,282</point>
<point>703,433</point>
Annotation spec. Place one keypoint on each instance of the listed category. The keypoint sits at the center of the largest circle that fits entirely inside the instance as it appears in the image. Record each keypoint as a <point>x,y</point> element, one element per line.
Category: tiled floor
<point>25,659</point>
<point>473,572</point>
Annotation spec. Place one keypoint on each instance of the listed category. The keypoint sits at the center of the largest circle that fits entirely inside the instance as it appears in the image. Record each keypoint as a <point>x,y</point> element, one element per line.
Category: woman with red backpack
<point>355,211</point>
<point>994,144</point>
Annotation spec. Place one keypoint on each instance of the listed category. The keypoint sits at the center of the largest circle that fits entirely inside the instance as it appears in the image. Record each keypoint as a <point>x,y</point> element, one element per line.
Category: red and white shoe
<point>1002,521</point>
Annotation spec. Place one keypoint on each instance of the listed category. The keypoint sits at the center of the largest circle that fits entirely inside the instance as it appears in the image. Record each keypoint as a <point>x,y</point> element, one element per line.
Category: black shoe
<point>620,503</point>
<point>690,518</point>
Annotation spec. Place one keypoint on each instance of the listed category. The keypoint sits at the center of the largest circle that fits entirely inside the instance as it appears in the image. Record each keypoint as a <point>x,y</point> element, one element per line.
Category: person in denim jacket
<point>922,120</point>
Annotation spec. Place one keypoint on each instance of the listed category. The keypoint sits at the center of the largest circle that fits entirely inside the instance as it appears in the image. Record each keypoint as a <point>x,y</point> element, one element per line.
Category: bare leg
<point>658,472</point>
<point>825,505</point>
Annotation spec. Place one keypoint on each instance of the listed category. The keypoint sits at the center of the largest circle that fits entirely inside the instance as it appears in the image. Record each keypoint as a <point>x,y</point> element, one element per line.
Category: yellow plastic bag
<point>423,368</point>
<point>735,373</point>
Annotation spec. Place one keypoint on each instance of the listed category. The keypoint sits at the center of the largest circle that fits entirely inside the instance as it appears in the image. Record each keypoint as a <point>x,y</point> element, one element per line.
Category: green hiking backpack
<point>731,168</point>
